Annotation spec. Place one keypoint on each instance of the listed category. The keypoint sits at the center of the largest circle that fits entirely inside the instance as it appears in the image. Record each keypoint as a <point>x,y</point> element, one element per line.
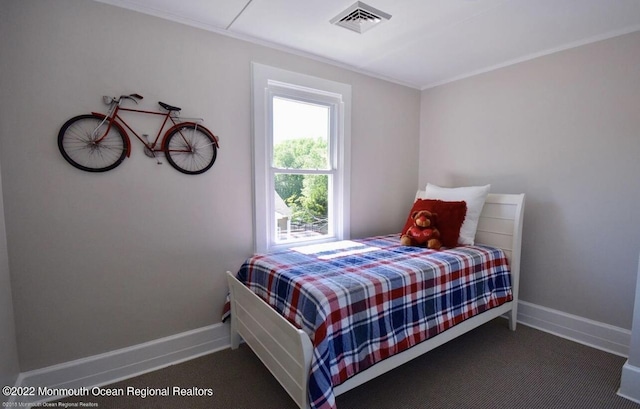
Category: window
<point>301,158</point>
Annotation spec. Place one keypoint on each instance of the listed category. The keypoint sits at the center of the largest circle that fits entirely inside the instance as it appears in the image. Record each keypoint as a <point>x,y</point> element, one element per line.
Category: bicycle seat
<point>168,107</point>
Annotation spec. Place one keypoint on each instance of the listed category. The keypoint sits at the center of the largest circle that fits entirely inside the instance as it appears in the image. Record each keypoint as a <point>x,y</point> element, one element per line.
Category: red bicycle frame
<point>116,120</point>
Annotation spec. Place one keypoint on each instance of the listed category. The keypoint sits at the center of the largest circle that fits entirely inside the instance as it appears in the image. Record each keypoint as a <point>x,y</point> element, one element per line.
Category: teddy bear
<point>423,232</point>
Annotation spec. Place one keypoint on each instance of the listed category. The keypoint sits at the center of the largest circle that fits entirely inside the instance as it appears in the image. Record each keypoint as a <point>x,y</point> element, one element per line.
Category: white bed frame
<point>286,350</point>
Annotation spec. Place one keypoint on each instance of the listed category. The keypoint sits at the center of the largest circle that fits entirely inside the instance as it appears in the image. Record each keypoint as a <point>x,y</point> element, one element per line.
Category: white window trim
<point>266,80</point>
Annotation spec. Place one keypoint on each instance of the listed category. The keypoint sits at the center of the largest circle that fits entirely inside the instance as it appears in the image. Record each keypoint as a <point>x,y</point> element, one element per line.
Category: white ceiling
<point>425,43</point>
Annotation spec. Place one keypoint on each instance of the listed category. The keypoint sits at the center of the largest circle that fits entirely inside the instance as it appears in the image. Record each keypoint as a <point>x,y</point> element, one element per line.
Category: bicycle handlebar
<point>133,97</point>
<point>110,100</point>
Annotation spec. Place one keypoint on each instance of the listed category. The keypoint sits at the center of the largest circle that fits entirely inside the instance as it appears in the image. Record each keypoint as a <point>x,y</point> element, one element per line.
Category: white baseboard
<point>595,334</point>
<point>630,383</point>
<point>115,366</point>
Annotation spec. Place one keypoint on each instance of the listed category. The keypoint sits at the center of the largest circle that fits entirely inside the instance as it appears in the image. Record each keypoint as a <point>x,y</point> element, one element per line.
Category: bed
<point>314,373</point>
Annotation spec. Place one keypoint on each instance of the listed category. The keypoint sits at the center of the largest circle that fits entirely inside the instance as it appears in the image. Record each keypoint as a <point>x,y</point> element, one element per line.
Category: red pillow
<point>450,218</point>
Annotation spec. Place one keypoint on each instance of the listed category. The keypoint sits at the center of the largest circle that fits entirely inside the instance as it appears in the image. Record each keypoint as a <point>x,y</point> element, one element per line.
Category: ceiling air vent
<point>360,17</point>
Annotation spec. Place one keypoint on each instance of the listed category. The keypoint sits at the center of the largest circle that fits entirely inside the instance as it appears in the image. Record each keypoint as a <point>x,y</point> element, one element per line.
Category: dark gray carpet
<point>490,367</point>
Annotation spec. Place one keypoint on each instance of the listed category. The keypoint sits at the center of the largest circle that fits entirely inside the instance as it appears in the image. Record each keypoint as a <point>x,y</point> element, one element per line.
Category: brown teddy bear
<point>423,233</point>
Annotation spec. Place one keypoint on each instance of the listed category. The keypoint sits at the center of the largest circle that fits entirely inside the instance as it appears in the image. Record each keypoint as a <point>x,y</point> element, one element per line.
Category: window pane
<point>300,135</point>
<point>301,206</point>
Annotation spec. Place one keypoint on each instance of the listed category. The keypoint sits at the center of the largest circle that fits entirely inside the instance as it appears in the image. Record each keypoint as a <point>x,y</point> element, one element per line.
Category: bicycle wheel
<point>190,148</point>
<point>82,144</point>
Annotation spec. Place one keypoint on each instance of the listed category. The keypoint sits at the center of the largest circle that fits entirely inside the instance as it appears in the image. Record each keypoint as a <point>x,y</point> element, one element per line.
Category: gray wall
<point>9,367</point>
<point>564,129</point>
<point>105,261</point>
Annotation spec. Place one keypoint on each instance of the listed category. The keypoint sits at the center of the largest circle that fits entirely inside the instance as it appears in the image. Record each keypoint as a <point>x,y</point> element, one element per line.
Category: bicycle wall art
<point>97,142</point>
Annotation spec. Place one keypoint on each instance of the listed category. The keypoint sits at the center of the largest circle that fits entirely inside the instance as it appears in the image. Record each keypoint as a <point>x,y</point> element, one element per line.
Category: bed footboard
<point>284,349</point>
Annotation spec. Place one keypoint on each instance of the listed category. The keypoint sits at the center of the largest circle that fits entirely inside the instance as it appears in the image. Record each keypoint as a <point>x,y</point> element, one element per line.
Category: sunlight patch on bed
<point>328,251</point>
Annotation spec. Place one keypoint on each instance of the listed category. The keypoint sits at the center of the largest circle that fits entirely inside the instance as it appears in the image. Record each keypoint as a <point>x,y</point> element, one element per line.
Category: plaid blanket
<point>362,301</point>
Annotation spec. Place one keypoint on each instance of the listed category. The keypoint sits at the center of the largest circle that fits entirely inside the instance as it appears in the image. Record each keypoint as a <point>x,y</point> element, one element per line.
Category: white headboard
<point>500,225</point>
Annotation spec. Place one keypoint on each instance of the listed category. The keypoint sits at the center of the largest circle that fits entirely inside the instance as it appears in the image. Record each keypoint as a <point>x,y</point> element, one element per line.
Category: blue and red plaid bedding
<point>362,301</point>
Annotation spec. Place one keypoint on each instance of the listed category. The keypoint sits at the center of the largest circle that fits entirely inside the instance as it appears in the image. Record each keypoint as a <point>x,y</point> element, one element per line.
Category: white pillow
<point>474,196</point>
